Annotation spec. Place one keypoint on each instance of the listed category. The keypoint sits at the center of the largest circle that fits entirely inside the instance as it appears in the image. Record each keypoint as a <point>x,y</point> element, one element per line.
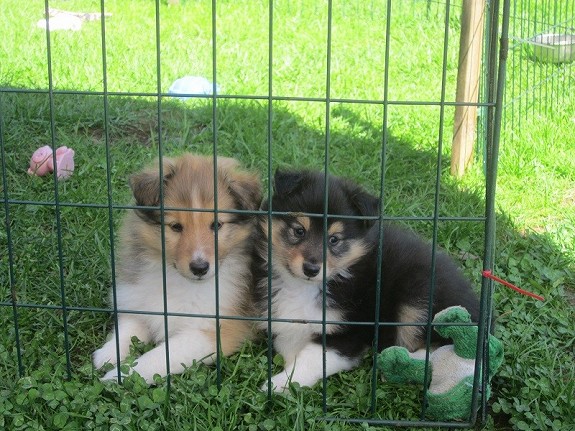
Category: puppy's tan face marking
<point>297,246</point>
<point>190,224</point>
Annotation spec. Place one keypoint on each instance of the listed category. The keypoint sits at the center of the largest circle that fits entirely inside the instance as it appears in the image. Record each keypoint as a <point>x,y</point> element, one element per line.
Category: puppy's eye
<point>176,227</point>
<point>298,232</point>
<point>333,240</point>
<point>216,226</point>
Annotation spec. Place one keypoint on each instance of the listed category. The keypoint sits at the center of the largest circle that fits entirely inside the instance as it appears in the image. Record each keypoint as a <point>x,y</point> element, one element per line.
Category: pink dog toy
<point>42,162</point>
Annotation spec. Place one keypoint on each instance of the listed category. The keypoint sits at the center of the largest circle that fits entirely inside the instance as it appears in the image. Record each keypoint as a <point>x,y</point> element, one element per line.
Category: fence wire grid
<point>535,86</point>
<point>57,242</point>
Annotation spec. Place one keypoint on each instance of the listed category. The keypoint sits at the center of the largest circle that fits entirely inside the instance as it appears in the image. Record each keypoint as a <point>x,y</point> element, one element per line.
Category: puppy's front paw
<point>128,370</point>
<point>111,375</point>
<point>105,355</point>
<point>280,383</point>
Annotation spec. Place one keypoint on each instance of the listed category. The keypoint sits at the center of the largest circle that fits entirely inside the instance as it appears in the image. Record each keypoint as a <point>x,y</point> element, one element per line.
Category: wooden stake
<point>470,48</point>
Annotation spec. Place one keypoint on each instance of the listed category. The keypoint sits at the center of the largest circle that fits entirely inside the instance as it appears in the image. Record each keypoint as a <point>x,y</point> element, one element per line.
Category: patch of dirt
<point>570,296</point>
<point>142,132</point>
<point>569,198</point>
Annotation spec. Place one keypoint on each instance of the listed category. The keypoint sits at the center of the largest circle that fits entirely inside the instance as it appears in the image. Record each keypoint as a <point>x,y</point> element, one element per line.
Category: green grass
<point>535,201</point>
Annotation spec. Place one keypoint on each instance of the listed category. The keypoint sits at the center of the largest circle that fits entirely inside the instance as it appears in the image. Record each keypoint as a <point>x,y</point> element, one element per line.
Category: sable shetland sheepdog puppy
<point>350,268</point>
<point>189,226</point>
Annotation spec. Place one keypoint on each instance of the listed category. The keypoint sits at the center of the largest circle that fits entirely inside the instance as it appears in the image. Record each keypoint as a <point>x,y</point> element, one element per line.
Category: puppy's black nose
<point>311,269</point>
<point>199,267</point>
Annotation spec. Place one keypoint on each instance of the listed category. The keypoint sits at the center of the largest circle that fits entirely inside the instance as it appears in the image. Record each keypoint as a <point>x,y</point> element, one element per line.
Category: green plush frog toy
<point>450,378</point>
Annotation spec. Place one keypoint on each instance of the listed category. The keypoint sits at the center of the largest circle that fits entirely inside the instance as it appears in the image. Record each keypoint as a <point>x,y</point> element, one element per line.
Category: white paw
<point>112,375</point>
<point>125,371</point>
<point>280,383</point>
<point>105,355</point>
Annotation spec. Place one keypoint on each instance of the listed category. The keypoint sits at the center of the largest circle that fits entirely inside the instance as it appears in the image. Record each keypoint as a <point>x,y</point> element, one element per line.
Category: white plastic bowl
<point>553,47</point>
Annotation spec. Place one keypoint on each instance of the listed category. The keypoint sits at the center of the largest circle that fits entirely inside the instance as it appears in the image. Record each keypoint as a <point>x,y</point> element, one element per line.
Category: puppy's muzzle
<point>199,267</point>
<point>311,269</point>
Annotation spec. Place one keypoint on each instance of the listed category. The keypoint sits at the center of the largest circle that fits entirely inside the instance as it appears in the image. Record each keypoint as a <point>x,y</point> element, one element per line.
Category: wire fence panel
<point>364,90</point>
<point>542,38</point>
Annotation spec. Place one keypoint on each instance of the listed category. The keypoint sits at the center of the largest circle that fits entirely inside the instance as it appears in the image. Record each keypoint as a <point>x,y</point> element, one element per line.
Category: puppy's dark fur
<point>350,269</point>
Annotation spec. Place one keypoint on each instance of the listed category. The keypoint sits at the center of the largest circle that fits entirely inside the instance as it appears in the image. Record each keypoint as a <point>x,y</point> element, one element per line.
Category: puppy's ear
<point>227,163</point>
<point>365,203</point>
<point>245,187</point>
<point>287,182</point>
<point>145,187</point>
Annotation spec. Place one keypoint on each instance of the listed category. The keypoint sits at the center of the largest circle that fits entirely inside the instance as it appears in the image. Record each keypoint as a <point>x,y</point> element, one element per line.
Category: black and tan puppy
<point>349,273</point>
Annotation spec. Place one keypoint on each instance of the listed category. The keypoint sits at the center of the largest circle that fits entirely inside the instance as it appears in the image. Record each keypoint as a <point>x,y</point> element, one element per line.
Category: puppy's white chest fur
<point>301,301</point>
<point>191,338</point>
<point>182,296</point>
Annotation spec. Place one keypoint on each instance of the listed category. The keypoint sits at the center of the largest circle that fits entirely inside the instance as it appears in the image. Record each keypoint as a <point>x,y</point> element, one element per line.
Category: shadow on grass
<point>538,336</point>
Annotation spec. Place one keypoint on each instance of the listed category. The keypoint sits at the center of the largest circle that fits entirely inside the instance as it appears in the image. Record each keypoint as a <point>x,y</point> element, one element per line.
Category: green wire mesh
<point>526,88</point>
